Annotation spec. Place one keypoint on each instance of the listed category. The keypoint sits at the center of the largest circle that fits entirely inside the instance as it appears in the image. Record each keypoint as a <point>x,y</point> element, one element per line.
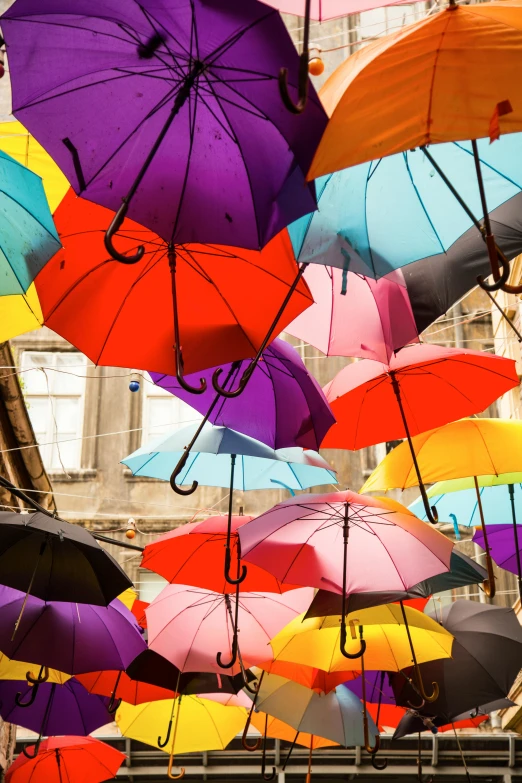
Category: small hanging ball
<point>134,386</point>
<point>130,534</point>
<point>315,66</point>
<point>131,528</point>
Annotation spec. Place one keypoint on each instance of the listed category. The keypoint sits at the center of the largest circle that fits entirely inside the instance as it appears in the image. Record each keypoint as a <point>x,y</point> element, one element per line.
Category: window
<point>54,390</point>
<point>163,411</point>
<point>150,585</point>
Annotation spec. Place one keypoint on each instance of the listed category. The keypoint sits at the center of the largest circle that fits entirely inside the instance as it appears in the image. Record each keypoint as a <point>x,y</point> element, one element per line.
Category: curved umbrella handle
<point>488,585</point>
<point>171,758</point>
<point>175,473</point>
<point>36,747</point>
<point>42,677</point>
<point>230,579</point>
<point>501,283</point>
<point>244,743</point>
<point>302,88</point>
<point>113,705</point>
<point>113,229</point>
<point>164,743</point>
<point>271,775</point>
<point>181,380</point>
<point>219,658</point>
<point>234,623</point>
<point>242,383</point>
<point>344,651</point>
<point>169,770</point>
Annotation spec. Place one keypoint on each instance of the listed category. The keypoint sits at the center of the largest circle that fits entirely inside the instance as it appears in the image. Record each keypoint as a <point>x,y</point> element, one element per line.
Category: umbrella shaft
<point>511,489</point>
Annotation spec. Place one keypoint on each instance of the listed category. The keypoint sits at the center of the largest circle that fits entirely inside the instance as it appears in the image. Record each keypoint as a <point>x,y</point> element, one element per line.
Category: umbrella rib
<point>192,109</point>
<point>28,211</point>
<point>487,165</point>
<point>149,17</point>
<point>432,84</point>
<point>421,202</point>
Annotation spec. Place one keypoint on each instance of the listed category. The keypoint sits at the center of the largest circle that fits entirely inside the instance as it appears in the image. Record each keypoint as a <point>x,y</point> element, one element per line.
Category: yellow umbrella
<point>469,448</point>
<point>19,313</point>
<point>128,597</point>
<point>17,670</point>
<point>192,724</point>
<point>19,144</point>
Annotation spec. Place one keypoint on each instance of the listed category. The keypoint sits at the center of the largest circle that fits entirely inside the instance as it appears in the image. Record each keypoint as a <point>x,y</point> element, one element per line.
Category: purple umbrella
<point>378,688</point>
<point>502,545</point>
<point>73,638</point>
<point>169,111</point>
<point>57,709</point>
<point>173,106</point>
<point>294,409</point>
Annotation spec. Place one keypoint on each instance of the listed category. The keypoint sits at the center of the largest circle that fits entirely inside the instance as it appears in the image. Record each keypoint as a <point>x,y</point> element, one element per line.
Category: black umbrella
<point>414,722</point>
<point>154,669</point>
<point>486,659</point>
<point>463,571</point>
<point>57,561</point>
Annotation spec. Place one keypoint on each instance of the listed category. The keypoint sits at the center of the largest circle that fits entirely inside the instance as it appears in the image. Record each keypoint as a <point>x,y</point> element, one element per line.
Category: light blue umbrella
<point>226,458</point>
<point>386,214</point>
<point>462,508</point>
<point>28,237</point>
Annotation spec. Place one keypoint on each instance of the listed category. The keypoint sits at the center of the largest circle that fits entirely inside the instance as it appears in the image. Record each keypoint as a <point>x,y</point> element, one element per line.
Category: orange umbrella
<point>309,676</point>
<point>119,686</point>
<point>452,76</point>
<point>215,303</point>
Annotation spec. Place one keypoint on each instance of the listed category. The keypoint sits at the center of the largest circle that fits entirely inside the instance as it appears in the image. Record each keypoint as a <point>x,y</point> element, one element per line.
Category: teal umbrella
<point>226,458</point>
<point>28,238</point>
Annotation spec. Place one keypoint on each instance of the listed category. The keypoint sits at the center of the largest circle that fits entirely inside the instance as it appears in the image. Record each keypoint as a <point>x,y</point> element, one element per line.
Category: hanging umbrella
<point>189,625</point>
<point>484,663</point>
<point>345,543</point>
<point>57,709</point>
<point>364,317</point>
<point>506,550</point>
<point>18,670</point>
<point>75,759</point>
<point>311,677</point>
<point>463,572</point>
<point>29,237</point>
<point>413,722</point>
<point>283,731</point>
<point>131,316</point>
<point>17,142</point>
<point>500,498</point>
<point>74,638</point>
<point>57,561</point>
<point>150,667</point>
<point>478,447</point>
<point>323,10</point>
<point>295,412</point>
<point>226,458</point>
<point>241,163</point>
<point>441,103</point>
<point>193,554</point>
<point>169,725</point>
<point>423,387</point>
<point>118,687</point>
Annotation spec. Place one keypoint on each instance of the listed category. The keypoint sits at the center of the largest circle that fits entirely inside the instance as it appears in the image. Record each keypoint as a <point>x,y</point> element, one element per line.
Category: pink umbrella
<point>345,543</point>
<point>322,10</point>
<point>189,625</point>
<point>371,320</point>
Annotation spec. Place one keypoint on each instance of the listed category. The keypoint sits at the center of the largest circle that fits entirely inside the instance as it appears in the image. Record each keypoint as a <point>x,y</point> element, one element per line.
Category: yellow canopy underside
<point>19,313</point>
<point>17,670</point>
<point>465,448</point>
<point>315,642</point>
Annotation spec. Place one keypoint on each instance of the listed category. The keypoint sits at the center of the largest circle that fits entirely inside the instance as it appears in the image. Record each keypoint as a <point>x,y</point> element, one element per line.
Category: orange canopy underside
<point>436,80</point>
<point>122,315</point>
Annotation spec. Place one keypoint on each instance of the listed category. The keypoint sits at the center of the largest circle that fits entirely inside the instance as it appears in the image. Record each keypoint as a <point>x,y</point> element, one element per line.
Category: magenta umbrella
<point>322,10</point>
<point>345,543</point>
<point>362,317</point>
<point>189,625</point>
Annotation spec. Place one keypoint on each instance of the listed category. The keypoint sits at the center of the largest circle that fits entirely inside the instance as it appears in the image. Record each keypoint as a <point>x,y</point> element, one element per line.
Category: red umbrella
<point>219,301</point>
<point>119,686</point>
<point>423,387</point>
<point>67,760</point>
<point>193,554</point>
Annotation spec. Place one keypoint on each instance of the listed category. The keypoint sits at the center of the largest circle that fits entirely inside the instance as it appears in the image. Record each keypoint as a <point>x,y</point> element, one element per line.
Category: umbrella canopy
<point>29,237</point>
<point>57,561</point>
<point>505,550</point>
<point>458,498</point>
<point>322,10</point>
<point>315,642</point>
<point>478,447</point>
<point>336,716</point>
<point>194,553</point>
<point>283,731</point>
<point>217,725</point>
<point>20,313</point>
<point>74,638</point>
<point>188,625</point>
<point>413,723</point>
<point>295,412</point>
<point>463,572</point>
<point>57,709</point>
<point>456,95</point>
<point>300,541</point>
<point>150,667</point>
<point>80,759</point>
<point>123,315</point>
<point>484,663</point>
<point>119,686</point>
<point>257,465</point>
<point>241,164</point>
<point>368,318</point>
<point>17,670</point>
<point>17,142</point>
<point>428,385</point>
<point>311,677</point>
<point>387,213</point>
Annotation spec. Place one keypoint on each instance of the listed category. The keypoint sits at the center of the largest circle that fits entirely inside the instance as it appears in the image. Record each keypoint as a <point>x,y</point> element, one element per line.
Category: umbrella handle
<point>344,651</point>
<point>234,623</point>
<point>36,746</point>
<point>257,743</point>
<point>113,229</point>
<point>169,771</point>
<point>302,88</point>
<point>241,571</point>
<point>171,758</point>
<point>43,676</point>
<point>165,742</point>
<point>488,585</point>
<point>368,748</point>
<point>230,579</point>
<point>175,473</point>
<point>501,283</point>
<point>271,775</point>
<point>114,703</point>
